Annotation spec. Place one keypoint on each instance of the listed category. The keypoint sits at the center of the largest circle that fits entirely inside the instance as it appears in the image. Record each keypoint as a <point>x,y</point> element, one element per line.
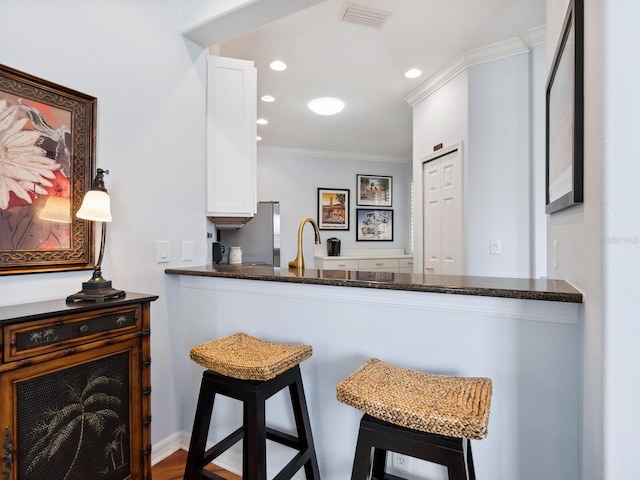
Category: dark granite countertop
<point>520,288</point>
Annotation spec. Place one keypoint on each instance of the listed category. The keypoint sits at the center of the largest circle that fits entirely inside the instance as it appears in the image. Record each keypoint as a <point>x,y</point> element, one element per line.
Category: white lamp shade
<point>56,209</point>
<point>96,206</point>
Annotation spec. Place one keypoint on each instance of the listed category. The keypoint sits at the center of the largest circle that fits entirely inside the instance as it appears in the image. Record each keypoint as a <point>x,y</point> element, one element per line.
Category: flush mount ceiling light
<point>262,121</point>
<point>413,73</point>
<point>326,105</point>
<point>258,138</point>
<point>267,98</point>
<point>278,65</point>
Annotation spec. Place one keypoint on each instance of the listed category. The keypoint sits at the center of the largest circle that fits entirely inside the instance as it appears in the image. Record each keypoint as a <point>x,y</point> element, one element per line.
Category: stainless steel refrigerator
<point>259,238</point>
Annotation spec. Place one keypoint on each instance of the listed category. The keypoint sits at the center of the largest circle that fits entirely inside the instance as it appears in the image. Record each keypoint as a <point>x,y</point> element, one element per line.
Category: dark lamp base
<point>96,290</point>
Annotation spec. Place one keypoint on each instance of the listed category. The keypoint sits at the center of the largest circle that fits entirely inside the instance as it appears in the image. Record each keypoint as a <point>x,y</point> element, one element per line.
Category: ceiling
<point>364,66</point>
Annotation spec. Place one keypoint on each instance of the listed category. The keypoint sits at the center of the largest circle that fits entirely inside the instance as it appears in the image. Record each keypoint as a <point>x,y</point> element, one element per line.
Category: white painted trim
<point>229,460</point>
<point>305,152</point>
<point>477,306</point>
<point>166,447</point>
<point>488,53</point>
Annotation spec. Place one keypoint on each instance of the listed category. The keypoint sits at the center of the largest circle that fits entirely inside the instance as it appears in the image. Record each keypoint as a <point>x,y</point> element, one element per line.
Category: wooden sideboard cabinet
<point>75,390</point>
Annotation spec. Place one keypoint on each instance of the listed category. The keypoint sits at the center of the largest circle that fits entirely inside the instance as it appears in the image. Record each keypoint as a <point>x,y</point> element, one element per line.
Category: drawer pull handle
<point>342,265</point>
<point>84,328</point>
<point>379,264</point>
<point>429,269</point>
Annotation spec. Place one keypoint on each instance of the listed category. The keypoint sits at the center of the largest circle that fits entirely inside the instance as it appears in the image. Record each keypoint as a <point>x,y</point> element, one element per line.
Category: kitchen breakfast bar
<point>521,333</point>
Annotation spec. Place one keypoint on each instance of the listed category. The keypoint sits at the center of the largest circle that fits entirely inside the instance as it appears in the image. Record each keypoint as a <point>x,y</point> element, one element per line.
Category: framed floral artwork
<point>333,209</point>
<point>47,158</point>
<point>374,190</point>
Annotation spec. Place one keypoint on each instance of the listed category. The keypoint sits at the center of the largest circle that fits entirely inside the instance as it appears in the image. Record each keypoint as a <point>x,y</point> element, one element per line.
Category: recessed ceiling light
<point>267,98</point>
<point>326,105</point>
<point>278,65</point>
<point>258,138</point>
<point>262,121</point>
<point>413,73</point>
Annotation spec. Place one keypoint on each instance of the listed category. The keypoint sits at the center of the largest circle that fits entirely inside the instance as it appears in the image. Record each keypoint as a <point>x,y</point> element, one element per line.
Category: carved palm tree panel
<point>73,424</point>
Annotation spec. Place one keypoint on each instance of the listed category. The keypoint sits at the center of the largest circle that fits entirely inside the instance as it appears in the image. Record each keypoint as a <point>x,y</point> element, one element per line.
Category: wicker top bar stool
<point>425,416</point>
<point>251,370</point>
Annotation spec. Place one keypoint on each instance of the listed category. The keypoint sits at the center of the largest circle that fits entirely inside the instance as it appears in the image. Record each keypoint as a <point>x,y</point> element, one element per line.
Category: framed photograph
<point>333,209</point>
<point>47,134</point>
<point>374,190</point>
<point>374,225</point>
<point>565,115</point>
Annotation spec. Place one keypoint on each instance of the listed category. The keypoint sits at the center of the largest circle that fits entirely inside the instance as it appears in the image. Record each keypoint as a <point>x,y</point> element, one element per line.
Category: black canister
<point>333,247</point>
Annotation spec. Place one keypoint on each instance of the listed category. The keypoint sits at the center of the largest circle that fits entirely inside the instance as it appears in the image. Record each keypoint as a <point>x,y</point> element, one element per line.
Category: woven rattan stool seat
<point>451,406</point>
<point>248,358</point>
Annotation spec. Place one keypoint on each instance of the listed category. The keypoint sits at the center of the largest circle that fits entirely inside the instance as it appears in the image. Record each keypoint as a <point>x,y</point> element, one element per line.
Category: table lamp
<point>96,206</point>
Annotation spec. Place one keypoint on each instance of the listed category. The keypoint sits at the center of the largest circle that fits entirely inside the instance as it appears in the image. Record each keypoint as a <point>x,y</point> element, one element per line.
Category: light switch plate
<point>496,247</point>
<point>163,251</point>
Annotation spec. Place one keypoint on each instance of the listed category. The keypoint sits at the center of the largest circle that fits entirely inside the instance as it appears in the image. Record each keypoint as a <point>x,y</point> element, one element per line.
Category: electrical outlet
<point>400,461</point>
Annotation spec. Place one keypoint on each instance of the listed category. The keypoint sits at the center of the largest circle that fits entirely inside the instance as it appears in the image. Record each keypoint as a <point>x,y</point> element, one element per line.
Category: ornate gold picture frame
<point>47,159</point>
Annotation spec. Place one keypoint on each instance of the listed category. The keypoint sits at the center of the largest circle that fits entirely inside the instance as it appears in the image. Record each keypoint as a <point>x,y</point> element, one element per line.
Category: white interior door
<point>443,216</point>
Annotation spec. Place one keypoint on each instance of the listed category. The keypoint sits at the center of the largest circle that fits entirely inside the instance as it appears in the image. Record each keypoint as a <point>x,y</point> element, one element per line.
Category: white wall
<point>439,118</point>
<point>621,228</point>
<point>294,182</point>
<point>494,108</point>
<point>497,167</point>
<point>149,83</point>
<point>580,239</point>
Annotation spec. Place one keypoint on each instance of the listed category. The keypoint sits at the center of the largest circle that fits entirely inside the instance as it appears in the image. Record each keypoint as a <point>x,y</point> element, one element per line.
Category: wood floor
<point>172,468</point>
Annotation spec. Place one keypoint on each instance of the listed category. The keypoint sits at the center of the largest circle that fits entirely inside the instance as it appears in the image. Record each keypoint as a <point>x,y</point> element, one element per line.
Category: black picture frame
<point>333,208</point>
<point>59,127</point>
<point>374,190</point>
<point>565,116</point>
<point>374,225</point>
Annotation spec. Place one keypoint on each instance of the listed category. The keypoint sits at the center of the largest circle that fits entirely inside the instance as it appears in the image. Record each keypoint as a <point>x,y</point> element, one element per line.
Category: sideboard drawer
<point>26,340</point>
<point>390,264</point>
<point>337,264</point>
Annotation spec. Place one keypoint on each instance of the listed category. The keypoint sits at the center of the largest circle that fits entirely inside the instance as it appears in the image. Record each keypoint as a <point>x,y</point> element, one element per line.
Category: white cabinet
<point>399,264</point>
<point>231,137</point>
<point>405,265</point>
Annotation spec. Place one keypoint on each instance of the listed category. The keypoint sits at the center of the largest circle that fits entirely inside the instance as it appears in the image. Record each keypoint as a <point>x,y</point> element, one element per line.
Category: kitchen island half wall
<point>527,347</point>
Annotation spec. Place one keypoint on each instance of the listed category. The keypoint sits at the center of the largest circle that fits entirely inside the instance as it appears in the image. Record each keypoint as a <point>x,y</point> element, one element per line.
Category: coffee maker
<point>333,247</point>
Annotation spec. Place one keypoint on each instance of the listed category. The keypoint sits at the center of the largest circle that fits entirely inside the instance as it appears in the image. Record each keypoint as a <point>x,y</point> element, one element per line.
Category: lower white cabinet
<point>398,264</point>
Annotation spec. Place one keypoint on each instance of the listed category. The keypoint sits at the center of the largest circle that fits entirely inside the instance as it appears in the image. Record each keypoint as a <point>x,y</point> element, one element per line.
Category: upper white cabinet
<point>231,137</point>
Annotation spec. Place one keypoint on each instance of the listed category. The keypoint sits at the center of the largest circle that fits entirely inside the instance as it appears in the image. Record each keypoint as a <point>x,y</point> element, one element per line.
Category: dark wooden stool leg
<point>201,422</point>
<point>379,464</point>
<point>254,456</point>
<point>362,458</point>
<point>470,467</point>
<point>303,426</point>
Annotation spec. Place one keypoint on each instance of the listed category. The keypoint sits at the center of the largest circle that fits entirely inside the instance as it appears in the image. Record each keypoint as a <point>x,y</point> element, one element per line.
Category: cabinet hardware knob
<point>84,328</point>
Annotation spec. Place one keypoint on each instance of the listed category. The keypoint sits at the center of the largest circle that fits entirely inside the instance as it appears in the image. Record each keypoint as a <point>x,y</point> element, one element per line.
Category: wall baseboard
<point>229,460</point>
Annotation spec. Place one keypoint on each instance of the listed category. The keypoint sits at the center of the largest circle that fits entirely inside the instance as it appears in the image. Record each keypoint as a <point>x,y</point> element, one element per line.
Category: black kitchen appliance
<point>333,247</point>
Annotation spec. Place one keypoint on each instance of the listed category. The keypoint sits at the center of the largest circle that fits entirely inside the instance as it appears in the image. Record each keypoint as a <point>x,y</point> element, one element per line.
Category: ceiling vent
<point>362,15</point>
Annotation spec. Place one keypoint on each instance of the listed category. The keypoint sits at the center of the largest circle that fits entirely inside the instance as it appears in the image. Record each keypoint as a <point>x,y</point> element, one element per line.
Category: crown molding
<point>309,153</point>
<point>488,53</point>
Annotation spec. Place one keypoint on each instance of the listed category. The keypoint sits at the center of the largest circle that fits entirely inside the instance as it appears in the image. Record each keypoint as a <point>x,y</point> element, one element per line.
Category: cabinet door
<point>75,417</point>
<point>231,137</point>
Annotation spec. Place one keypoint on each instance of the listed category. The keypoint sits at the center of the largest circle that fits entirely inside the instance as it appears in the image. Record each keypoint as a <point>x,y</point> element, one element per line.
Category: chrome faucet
<point>298,262</point>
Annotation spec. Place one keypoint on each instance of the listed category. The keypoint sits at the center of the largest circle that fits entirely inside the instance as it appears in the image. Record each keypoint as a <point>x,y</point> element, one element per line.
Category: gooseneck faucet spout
<point>298,262</point>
